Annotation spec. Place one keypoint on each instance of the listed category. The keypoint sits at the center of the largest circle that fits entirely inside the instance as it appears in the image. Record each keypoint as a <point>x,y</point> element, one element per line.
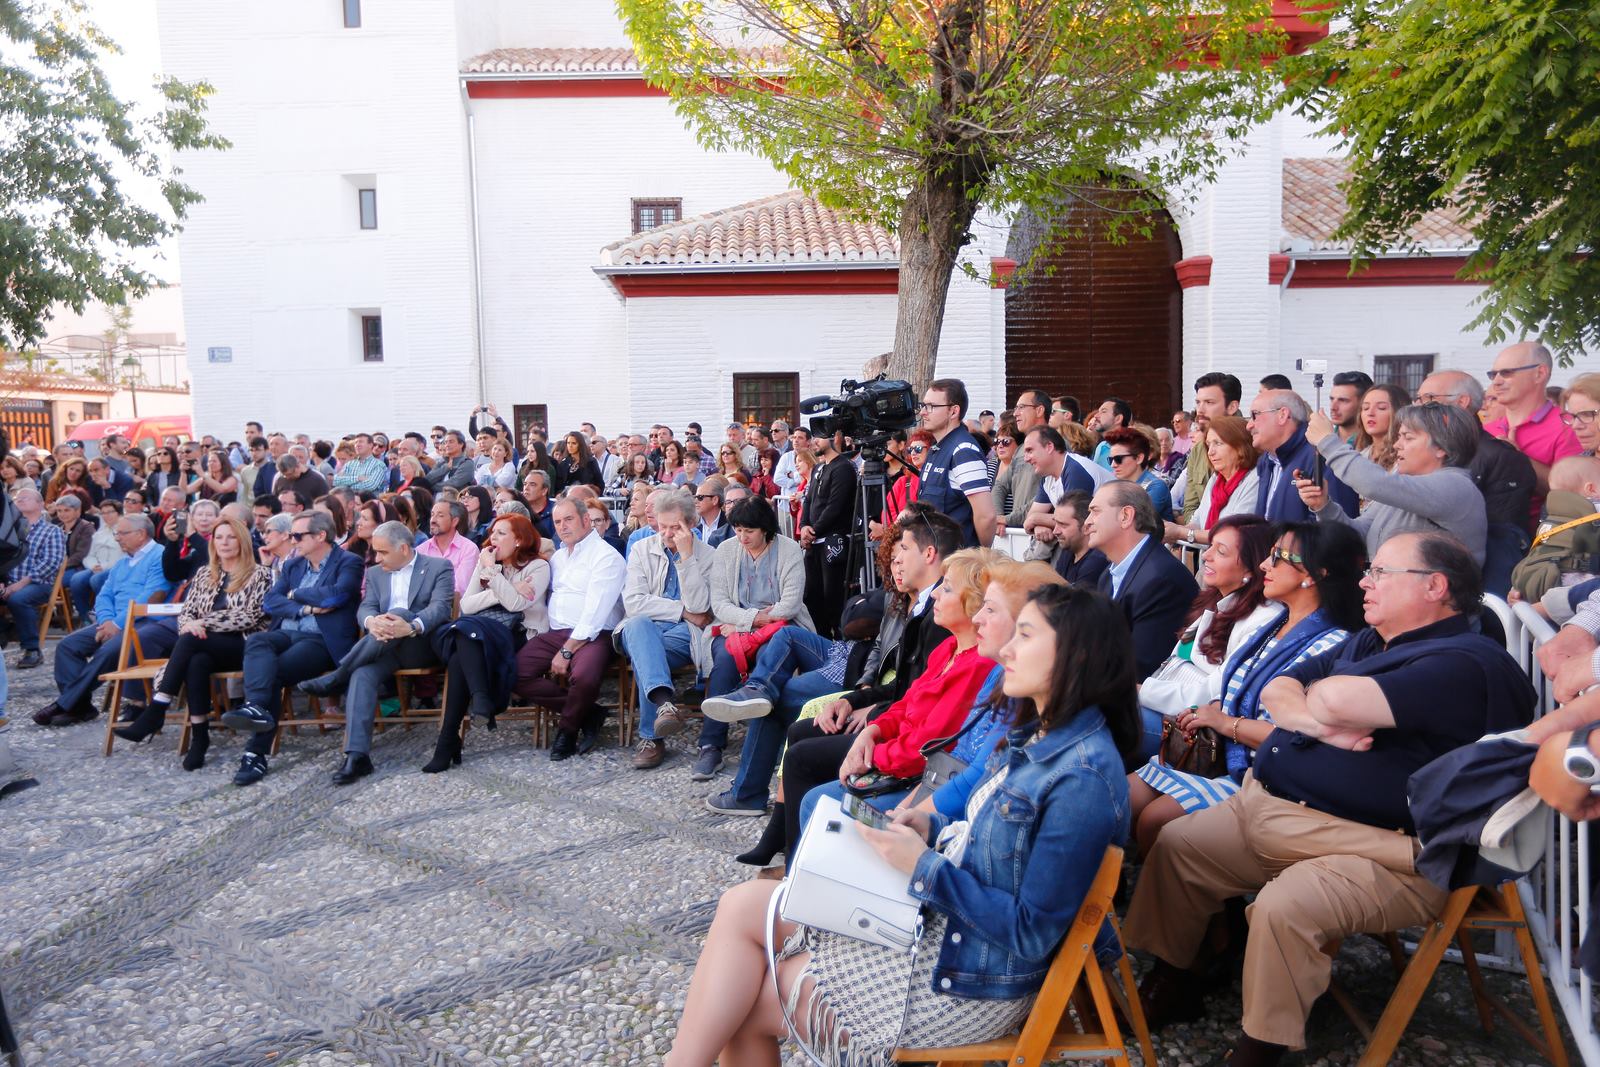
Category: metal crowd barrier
<point>1556,894</point>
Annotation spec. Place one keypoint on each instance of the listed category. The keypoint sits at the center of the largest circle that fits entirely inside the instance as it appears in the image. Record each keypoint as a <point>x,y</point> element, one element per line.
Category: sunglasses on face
<point>302,535</point>
<point>1496,375</point>
<point>1007,441</point>
<point>1118,458</point>
<point>1279,555</point>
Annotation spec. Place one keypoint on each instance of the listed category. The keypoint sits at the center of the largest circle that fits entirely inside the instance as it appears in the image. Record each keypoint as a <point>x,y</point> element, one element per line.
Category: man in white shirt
<point>785,475</point>
<point>563,667</point>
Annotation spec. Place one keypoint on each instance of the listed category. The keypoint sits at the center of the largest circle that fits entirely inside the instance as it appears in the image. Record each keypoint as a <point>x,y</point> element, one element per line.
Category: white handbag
<point>838,882</point>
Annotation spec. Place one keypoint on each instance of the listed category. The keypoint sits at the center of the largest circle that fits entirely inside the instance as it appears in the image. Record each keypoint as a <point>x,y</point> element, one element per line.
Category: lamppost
<point>132,367</point>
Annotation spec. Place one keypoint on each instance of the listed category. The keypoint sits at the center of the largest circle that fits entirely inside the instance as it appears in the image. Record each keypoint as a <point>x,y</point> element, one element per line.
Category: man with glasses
<point>710,526</point>
<point>780,435</point>
<point>85,654</point>
<point>1153,589</point>
<point>1527,418</point>
<point>1321,830</point>
<point>955,476</point>
<point>1502,474</point>
<point>1278,431</point>
<point>312,606</point>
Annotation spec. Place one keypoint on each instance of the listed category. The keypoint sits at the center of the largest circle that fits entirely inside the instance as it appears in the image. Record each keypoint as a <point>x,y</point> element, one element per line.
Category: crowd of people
<point>1246,727</point>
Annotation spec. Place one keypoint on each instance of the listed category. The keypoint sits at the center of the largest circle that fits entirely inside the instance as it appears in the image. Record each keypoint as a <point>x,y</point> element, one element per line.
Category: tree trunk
<point>933,229</point>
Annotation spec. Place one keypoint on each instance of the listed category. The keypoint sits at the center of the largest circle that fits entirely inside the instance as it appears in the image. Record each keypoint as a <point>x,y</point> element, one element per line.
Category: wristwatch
<point>1580,762</point>
<point>566,653</point>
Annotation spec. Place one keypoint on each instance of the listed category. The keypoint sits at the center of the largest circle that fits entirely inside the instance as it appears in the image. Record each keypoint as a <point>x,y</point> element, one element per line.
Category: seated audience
<point>1320,830</point>
<point>33,577</point>
<point>1075,561</point>
<point>1151,587</point>
<point>1429,487</point>
<point>454,469</point>
<point>447,523</point>
<point>104,552</point>
<point>1230,489</point>
<point>1309,581</point>
<point>186,542</point>
<point>563,667</point>
<point>224,606</point>
<point>991,932</point>
<point>312,605</point>
<point>758,583</point>
<point>666,601</point>
<point>408,595</point>
<point>503,606</point>
<point>87,653</point>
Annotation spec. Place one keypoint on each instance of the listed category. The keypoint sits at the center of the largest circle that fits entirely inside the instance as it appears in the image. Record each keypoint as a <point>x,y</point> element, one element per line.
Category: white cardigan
<point>490,587</point>
<point>1198,681</point>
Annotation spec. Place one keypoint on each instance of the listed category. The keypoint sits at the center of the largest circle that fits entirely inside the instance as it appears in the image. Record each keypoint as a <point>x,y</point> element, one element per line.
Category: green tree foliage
<point>70,230</point>
<point>914,114</point>
<point>1492,109</point>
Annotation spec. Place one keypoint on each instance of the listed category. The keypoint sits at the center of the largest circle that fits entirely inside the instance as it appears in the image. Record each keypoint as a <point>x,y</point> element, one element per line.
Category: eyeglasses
<point>1579,418</point>
<point>925,406</point>
<point>1436,398</point>
<point>1254,415</point>
<point>1375,573</point>
<point>707,496</point>
<point>1020,408</point>
<point>301,536</point>
<point>1495,375</point>
<point>1119,458</point>
<point>1278,555</point>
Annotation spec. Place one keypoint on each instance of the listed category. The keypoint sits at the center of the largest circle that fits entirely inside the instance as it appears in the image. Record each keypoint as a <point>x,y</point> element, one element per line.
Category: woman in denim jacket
<point>1001,887</point>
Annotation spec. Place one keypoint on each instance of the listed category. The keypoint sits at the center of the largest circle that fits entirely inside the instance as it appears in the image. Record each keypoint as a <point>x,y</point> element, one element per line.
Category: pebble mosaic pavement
<point>512,911</point>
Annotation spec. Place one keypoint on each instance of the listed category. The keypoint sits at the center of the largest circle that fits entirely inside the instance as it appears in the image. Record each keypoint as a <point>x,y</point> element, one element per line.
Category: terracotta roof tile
<point>553,61</point>
<point>789,228</point>
<point>1314,205</point>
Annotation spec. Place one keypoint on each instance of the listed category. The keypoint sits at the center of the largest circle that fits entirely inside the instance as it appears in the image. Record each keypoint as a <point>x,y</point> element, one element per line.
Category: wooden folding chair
<point>59,602</point>
<point>1468,909</point>
<point>1050,1032</point>
<point>133,667</point>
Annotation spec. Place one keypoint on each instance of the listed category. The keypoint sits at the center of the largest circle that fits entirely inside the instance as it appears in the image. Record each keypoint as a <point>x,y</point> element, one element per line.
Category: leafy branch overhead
<point>88,183</point>
<point>1491,110</point>
<point>916,113</point>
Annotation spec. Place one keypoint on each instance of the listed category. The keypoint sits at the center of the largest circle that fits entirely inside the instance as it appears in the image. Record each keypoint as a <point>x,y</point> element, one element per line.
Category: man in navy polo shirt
<point>955,478</point>
<point>1320,829</point>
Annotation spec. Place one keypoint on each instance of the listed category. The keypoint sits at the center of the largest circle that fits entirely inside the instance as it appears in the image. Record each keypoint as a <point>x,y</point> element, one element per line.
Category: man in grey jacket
<point>408,596</point>
<point>667,601</point>
<point>454,469</point>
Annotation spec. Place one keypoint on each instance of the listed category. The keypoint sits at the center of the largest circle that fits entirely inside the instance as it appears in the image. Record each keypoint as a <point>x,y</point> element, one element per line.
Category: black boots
<point>447,749</point>
<point>771,842</point>
<point>199,741</point>
<point>149,723</point>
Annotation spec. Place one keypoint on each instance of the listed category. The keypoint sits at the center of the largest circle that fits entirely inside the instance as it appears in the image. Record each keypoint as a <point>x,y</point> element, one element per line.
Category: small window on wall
<point>1405,371</point>
<point>352,14</point>
<point>93,411</point>
<point>764,398</point>
<point>372,338</point>
<point>648,214</point>
<point>367,200</point>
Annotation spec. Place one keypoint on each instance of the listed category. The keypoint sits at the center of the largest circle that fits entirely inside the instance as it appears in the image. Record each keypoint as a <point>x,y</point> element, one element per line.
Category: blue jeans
<point>84,585</point>
<point>835,789</point>
<point>80,661</point>
<point>24,605</point>
<point>655,649</point>
<point>791,649</point>
<point>1150,741</point>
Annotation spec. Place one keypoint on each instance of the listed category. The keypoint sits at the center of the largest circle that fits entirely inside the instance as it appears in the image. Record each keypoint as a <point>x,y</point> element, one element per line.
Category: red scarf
<point>1220,492</point>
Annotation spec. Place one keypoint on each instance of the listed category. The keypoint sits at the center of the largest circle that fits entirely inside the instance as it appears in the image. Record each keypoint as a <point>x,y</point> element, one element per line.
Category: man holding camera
<point>955,478</point>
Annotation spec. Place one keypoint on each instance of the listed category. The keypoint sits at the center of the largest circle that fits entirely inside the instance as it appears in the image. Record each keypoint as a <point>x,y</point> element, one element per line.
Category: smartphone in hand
<point>864,813</point>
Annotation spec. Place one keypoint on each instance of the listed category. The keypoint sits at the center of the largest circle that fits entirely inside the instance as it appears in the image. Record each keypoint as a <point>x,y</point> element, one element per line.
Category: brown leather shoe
<point>1252,1053</point>
<point>670,719</point>
<point>649,754</point>
<point>1170,995</point>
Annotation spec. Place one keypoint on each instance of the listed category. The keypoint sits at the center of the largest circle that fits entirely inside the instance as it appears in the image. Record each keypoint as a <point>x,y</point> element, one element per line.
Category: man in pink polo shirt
<point>1527,418</point>
<point>445,523</point>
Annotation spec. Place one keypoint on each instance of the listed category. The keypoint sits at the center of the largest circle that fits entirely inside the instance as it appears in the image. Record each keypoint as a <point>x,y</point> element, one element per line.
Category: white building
<point>442,204</point>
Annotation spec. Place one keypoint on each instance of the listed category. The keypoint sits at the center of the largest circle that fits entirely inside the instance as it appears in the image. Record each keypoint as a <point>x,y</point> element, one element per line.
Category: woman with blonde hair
<point>223,607</point>
<point>1580,409</point>
<point>1378,426</point>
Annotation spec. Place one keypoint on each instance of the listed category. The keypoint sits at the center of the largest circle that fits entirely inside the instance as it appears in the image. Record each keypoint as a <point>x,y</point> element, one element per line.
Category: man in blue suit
<point>1153,589</point>
<point>313,610</point>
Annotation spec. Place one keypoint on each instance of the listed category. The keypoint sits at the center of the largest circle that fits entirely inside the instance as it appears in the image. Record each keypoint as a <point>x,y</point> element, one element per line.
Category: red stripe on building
<point>884,281</point>
<point>559,88</point>
<point>1335,273</point>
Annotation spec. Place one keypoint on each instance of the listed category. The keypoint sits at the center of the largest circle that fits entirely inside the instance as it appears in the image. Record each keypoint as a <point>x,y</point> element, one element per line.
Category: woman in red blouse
<point>935,706</point>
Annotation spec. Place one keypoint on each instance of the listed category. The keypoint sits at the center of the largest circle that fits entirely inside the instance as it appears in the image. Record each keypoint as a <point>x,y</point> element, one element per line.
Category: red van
<point>144,433</point>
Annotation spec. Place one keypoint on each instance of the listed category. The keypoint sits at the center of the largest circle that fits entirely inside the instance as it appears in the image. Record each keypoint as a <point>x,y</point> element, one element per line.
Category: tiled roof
<point>786,229</point>
<point>554,61</point>
<point>1314,205</point>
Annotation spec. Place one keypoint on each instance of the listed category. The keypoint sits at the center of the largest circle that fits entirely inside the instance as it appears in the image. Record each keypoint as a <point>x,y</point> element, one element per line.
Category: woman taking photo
<point>1000,888</point>
<point>575,466</point>
<point>499,472</point>
<point>186,550</point>
<point>1231,489</point>
<point>1130,457</point>
<point>216,480</point>
<point>1230,607</point>
<point>1313,576</point>
<point>1375,437</point>
<point>503,605</point>
<point>1429,488</point>
<point>223,607</point>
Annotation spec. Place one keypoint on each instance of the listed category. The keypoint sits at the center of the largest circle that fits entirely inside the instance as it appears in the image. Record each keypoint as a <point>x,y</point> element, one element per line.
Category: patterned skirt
<point>868,1000</point>
<point>1192,792</point>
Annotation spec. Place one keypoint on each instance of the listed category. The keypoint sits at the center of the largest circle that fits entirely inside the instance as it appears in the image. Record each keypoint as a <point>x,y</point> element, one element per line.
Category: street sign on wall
<point>219,355</point>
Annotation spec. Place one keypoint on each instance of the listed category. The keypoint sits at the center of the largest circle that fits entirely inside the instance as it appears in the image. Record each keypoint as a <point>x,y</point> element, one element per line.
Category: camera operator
<point>824,532</point>
<point>955,478</point>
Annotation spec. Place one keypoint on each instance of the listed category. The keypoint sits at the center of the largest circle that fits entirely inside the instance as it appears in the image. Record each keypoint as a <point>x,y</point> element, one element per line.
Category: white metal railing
<point>1556,894</point>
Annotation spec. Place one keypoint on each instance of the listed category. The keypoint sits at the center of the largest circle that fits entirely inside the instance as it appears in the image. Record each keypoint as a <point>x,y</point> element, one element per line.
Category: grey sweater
<point>1447,499</point>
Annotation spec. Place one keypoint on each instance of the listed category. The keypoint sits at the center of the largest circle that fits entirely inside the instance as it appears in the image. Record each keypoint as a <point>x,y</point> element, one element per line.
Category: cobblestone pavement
<point>511,911</point>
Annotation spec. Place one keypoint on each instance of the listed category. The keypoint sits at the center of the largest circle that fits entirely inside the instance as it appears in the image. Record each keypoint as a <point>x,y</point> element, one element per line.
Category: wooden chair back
<point>58,603</point>
<point>1050,1031</point>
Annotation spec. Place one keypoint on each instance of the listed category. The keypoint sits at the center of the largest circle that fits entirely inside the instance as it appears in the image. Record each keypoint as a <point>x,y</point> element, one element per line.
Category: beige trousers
<point>1317,878</point>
